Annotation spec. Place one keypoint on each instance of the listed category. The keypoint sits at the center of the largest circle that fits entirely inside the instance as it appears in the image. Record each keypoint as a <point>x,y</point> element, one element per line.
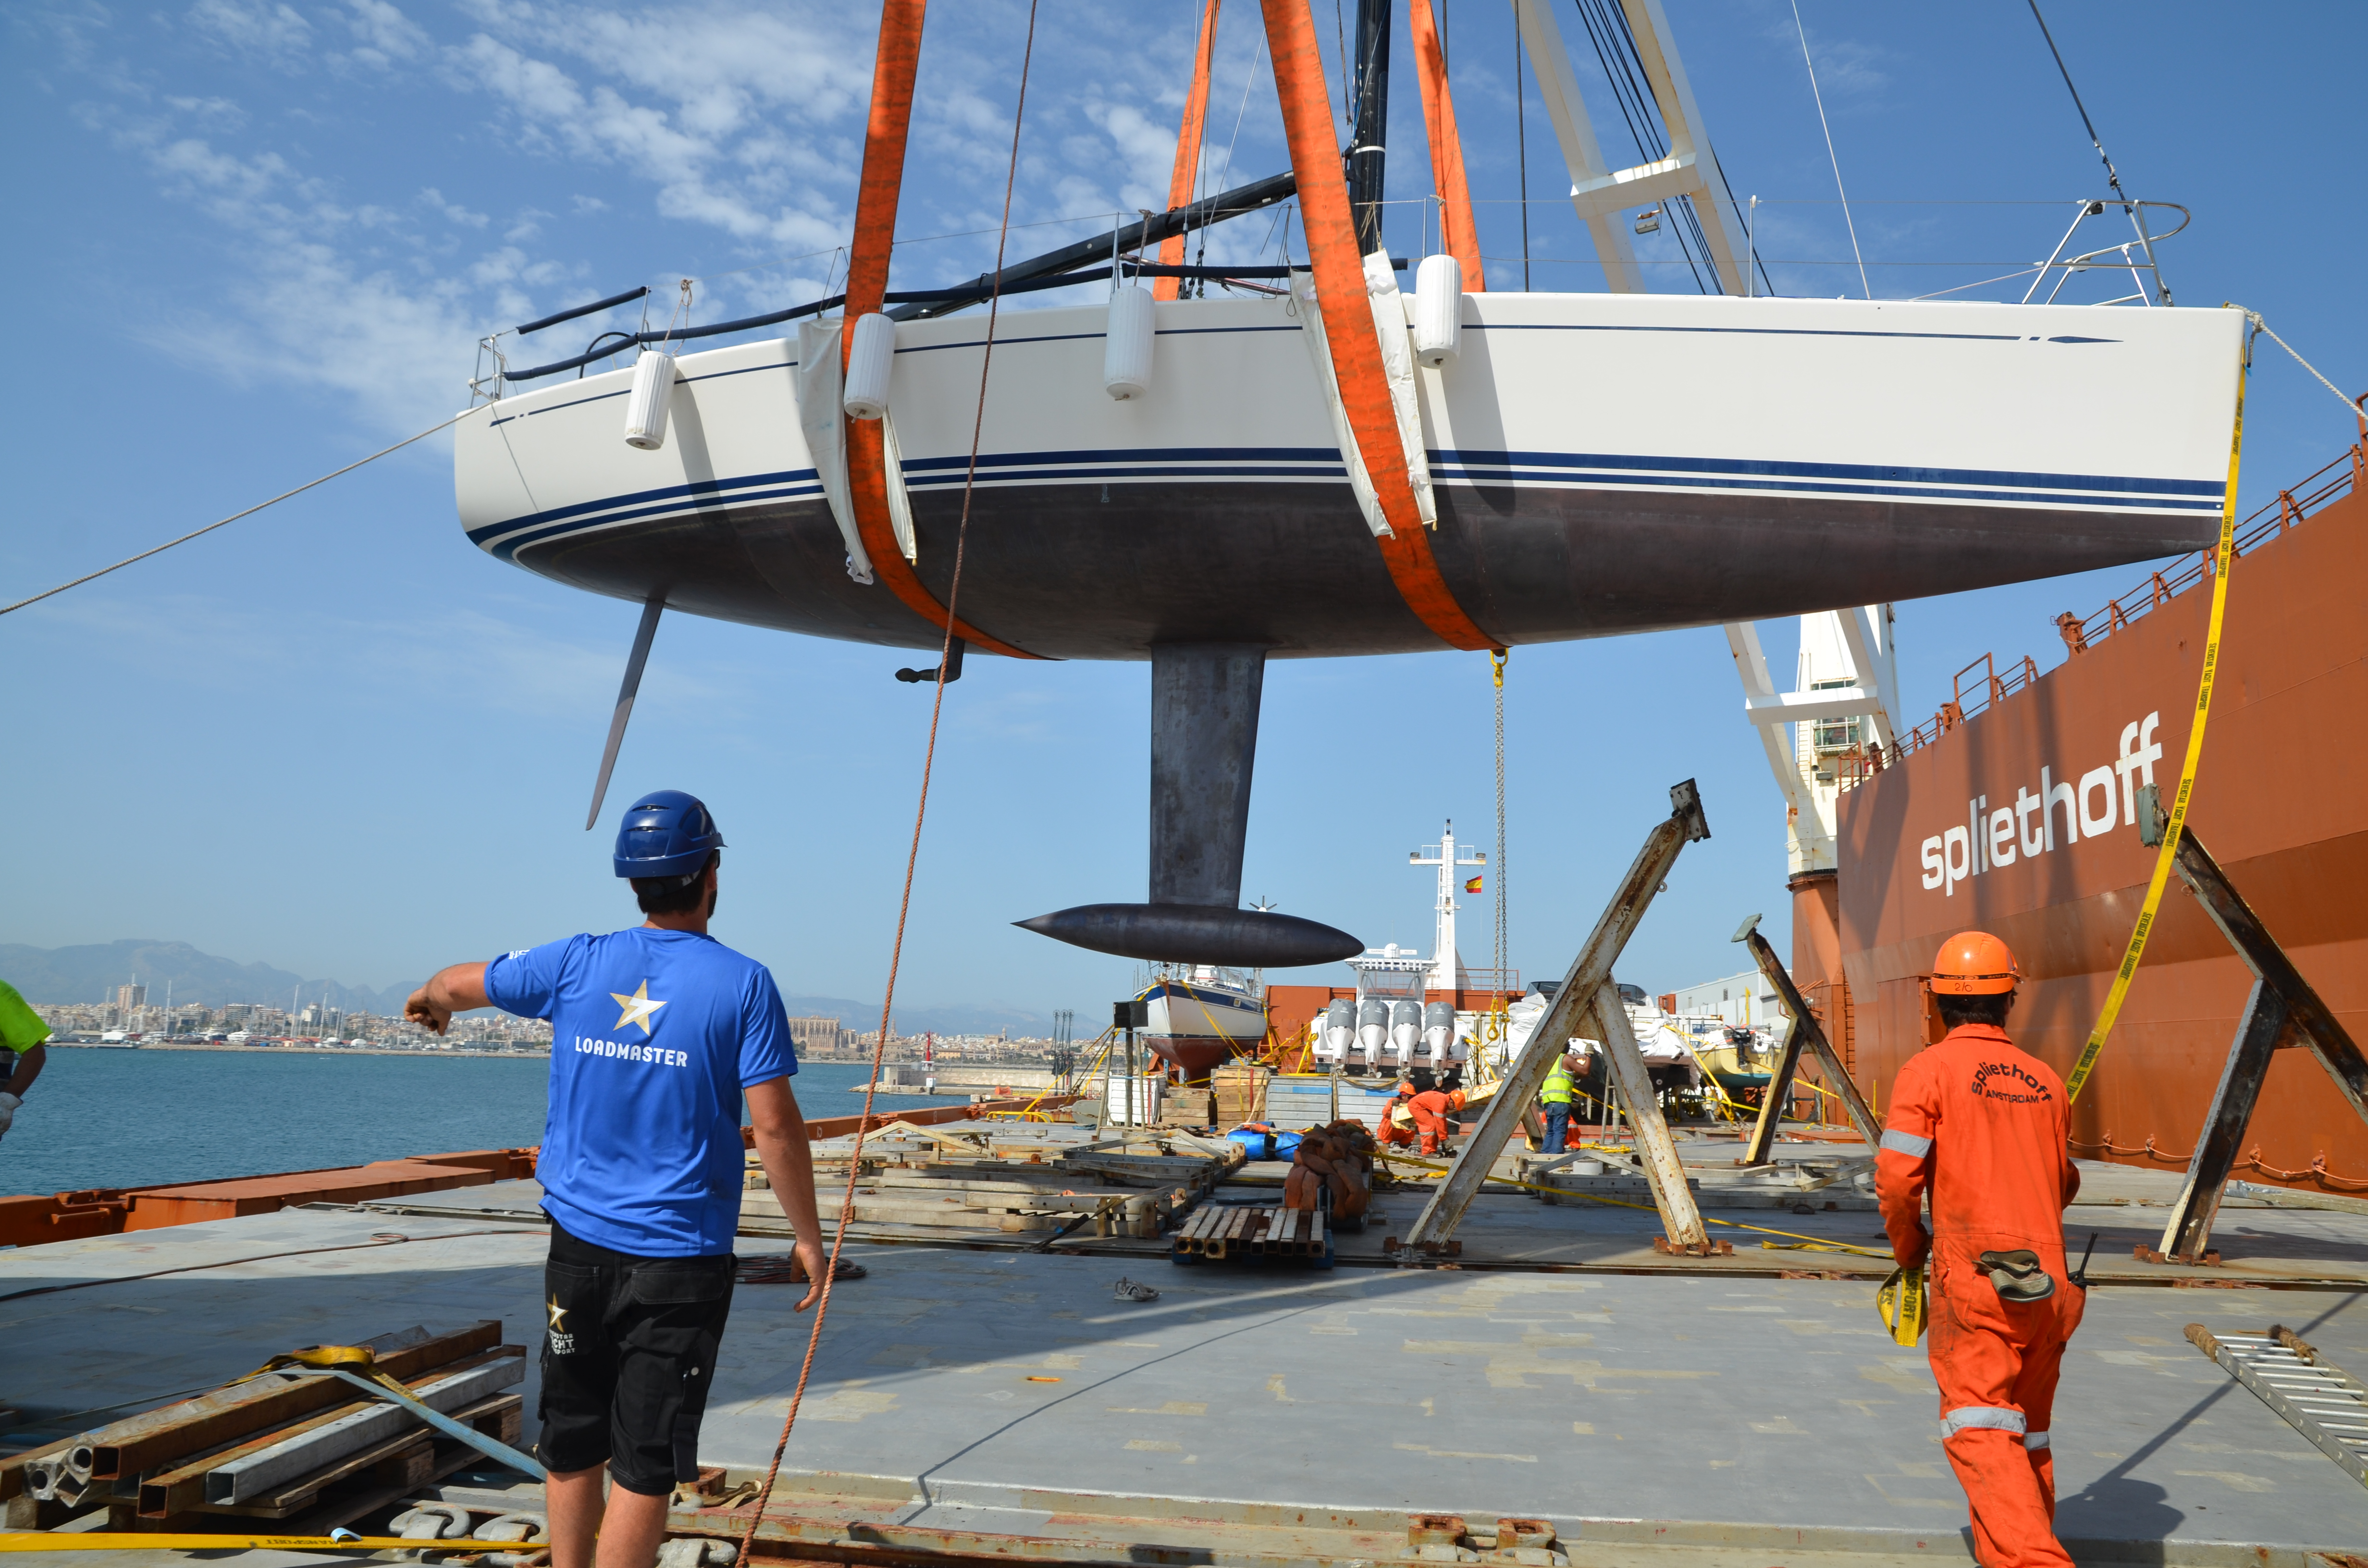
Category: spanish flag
<point>1472,886</point>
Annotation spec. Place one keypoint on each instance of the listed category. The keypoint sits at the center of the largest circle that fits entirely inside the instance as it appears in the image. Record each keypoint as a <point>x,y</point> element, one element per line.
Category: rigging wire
<point>2113,175</point>
<point>1830,155</point>
<point>920,815</point>
<point>1200,256</point>
<point>1623,68</point>
<point>234,517</point>
<point>1522,144</point>
<point>2350,405</point>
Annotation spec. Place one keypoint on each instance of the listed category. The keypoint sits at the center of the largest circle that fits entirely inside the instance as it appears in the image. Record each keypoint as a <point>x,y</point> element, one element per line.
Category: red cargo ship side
<point>2020,819</point>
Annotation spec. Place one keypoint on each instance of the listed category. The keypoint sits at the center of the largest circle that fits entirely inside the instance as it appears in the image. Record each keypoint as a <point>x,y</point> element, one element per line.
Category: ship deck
<point>974,1398</point>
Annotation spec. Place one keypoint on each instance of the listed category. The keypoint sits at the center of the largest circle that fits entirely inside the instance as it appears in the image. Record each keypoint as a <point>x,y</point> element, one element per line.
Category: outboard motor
<point>1373,1030</point>
<point>1438,1031</point>
<point>1406,1032</point>
<point>1340,1030</point>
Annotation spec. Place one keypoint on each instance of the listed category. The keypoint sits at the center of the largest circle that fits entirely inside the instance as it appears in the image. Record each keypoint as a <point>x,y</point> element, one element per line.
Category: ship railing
<point>2347,475</point>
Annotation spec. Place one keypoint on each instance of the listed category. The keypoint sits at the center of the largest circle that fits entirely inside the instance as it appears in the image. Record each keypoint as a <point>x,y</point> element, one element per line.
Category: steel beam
<point>1805,1030</point>
<point>244,1479</point>
<point>146,1441</point>
<point>1664,1172</point>
<point>2284,1009</point>
<point>2262,1030</point>
<point>1582,155</point>
<point>1589,972</point>
<point>2325,1039</point>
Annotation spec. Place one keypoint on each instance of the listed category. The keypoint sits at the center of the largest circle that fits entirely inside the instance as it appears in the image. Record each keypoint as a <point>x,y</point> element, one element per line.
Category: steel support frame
<point>2284,1010</point>
<point>1805,1030</point>
<point>1873,694</point>
<point>1598,194</point>
<point>1577,1001</point>
<point>1665,1173</point>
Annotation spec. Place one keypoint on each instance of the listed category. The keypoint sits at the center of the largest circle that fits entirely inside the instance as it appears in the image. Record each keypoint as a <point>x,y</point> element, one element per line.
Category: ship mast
<point>1447,972</point>
<point>1369,124</point>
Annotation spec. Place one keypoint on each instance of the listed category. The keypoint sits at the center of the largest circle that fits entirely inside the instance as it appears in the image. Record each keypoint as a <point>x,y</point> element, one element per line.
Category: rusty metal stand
<point>2284,1010</point>
<point>1664,1172</point>
<point>1804,1030</point>
<point>1585,992</point>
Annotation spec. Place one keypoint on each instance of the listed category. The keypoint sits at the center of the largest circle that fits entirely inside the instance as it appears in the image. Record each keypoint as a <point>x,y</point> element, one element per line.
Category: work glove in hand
<point>8,1104</point>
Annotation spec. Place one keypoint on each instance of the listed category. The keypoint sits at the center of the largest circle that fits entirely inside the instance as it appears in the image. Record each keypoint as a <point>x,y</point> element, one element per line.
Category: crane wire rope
<point>921,815</point>
<point>1497,657</point>
<point>234,517</point>
<point>1831,157</point>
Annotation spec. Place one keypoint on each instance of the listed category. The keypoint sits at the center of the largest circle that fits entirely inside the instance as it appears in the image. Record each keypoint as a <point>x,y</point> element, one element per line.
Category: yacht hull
<point>1602,463</point>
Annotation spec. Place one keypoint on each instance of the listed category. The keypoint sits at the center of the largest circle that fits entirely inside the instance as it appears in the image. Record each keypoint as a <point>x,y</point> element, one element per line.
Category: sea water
<point>145,1118</point>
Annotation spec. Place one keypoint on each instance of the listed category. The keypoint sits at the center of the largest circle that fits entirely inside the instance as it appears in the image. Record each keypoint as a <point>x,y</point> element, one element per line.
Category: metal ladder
<point>2321,1400</point>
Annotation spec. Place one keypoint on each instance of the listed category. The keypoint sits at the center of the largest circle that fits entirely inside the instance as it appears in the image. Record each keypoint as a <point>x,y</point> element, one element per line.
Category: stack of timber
<point>1028,1177</point>
<point>1220,1234</point>
<point>1240,1088</point>
<point>291,1445</point>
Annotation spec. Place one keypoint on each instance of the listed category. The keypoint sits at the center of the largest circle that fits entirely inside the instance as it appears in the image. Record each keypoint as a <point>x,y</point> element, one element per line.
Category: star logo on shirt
<point>638,1007</point>
<point>558,1315</point>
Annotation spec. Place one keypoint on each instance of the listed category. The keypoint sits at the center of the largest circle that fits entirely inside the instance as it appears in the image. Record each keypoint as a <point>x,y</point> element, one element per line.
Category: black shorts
<point>628,1355</point>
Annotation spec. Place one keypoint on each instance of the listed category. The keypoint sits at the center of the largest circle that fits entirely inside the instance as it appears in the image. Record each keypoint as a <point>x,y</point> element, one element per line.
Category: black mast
<point>1370,123</point>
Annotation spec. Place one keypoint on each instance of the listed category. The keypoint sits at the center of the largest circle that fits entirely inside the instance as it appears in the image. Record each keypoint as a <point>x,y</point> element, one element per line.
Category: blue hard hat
<point>666,833</point>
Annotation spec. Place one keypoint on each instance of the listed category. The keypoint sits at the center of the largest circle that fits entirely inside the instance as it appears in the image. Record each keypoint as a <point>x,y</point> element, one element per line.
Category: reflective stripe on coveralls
<point>1996,1416</point>
<point>1981,1123</point>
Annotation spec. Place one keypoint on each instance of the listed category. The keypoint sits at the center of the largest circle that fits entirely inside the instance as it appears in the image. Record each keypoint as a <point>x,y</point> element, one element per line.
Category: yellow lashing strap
<point>2223,557</point>
<point>1439,1169</point>
<point>1901,1302</point>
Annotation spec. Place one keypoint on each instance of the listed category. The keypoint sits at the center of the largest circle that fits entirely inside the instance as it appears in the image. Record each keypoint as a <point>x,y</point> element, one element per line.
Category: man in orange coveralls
<point>1430,1109</point>
<point>1982,1125</point>
<point>1392,1131</point>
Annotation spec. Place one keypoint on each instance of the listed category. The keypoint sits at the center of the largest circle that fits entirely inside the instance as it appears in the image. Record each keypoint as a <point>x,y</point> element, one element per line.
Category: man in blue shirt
<point>657,1031</point>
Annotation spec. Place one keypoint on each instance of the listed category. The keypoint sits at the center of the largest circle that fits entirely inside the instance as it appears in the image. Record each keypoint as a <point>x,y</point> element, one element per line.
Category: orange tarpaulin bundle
<point>1339,1157</point>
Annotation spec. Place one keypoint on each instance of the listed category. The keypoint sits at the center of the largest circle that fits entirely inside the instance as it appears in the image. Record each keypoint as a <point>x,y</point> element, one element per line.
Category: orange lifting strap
<point>867,283</point>
<point>1188,151</point>
<point>1456,230</point>
<point>1356,351</point>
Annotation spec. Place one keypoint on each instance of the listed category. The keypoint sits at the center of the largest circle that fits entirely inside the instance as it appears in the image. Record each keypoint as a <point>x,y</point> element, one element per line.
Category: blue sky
<point>253,240</point>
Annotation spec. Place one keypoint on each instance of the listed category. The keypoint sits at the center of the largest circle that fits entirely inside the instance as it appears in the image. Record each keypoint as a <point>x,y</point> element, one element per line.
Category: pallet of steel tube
<point>1231,1232</point>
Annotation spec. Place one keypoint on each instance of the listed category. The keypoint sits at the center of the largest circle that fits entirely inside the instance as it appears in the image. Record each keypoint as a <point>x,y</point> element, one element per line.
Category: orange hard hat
<point>1974,964</point>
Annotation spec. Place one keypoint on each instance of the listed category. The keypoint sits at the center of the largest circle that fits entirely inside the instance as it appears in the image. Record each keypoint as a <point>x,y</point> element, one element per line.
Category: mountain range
<point>91,972</point>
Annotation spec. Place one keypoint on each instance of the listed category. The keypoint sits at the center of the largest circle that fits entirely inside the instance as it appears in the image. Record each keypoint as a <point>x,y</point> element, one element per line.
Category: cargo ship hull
<point>2022,820</point>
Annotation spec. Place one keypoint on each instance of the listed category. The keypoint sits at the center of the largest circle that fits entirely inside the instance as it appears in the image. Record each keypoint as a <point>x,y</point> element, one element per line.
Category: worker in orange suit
<point>1981,1125</point>
<point>1394,1129</point>
<point>1430,1109</point>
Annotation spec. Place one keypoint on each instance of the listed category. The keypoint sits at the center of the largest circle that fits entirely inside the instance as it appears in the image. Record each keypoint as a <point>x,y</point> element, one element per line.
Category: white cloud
<point>385,34</point>
<point>274,34</point>
<point>452,210</point>
<point>713,122</point>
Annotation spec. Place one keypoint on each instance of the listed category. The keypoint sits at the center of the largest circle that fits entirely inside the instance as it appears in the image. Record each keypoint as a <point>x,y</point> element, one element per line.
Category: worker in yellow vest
<point>1554,1096</point>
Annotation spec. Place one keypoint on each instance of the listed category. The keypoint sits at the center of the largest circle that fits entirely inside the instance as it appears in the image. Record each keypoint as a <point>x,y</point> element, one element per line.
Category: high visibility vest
<point>1557,1089</point>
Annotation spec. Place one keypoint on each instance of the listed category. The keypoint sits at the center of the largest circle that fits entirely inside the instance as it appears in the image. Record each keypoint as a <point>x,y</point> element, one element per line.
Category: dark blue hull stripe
<point>1322,464</point>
